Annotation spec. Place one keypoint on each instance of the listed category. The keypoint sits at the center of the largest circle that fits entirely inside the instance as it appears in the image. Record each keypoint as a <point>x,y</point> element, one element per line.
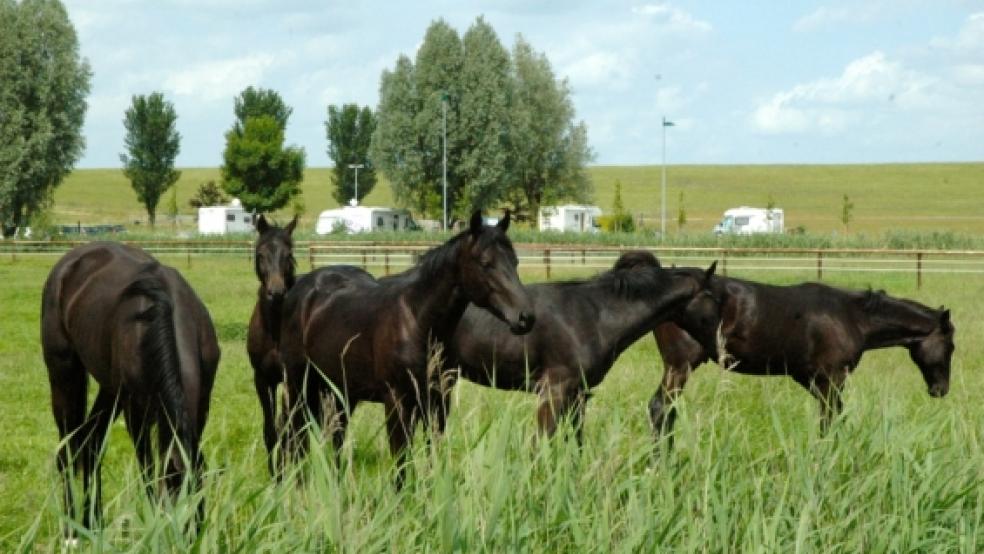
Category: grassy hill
<point>918,197</point>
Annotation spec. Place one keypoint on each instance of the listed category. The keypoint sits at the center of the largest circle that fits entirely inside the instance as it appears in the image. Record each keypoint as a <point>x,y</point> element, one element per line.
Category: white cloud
<point>673,19</point>
<point>219,79</point>
<point>969,41</point>
<point>826,16</point>
<point>829,105</point>
<point>598,68</point>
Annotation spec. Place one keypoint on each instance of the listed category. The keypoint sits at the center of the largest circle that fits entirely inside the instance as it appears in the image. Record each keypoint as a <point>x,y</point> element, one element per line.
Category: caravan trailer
<point>571,217</point>
<point>359,219</point>
<point>748,221</point>
<point>219,220</point>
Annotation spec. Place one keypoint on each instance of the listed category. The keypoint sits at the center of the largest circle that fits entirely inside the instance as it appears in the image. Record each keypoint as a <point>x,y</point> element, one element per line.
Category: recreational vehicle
<point>358,219</point>
<point>748,221</point>
<point>219,220</point>
<point>570,217</point>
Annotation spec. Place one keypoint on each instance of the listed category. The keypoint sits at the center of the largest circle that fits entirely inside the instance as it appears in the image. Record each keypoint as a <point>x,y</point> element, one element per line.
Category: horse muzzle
<point>523,324</point>
<point>939,390</point>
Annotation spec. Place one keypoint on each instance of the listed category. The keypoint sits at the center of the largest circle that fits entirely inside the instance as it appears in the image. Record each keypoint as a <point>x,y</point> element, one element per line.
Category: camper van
<point>359,219</point>
<point>219,220</point>
<point>748,221</point>
<point>570,217</point>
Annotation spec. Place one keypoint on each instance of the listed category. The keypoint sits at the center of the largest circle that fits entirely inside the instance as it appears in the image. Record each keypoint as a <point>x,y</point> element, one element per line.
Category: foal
<point>811,332</point>
<point>274,264</point>
<point>352,338</point>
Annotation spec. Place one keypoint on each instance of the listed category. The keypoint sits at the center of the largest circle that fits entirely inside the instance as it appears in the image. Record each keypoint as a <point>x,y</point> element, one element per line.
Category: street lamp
<point>662,204</point>
<point>444,156</point>
<point>356,167</point>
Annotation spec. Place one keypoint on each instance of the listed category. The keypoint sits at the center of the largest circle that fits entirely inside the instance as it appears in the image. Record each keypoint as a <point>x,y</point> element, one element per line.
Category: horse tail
<point>159,354</point>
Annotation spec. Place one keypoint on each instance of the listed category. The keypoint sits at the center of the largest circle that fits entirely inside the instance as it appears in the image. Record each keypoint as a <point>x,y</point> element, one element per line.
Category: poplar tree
<point>43,86</point>
<point>349,131</point>
<point>152,143</point>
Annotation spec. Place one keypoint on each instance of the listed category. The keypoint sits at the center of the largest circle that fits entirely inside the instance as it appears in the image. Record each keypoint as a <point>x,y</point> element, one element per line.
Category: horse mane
<point>628,277</point>
<point>872,300</point>
<point>159,351</point>
<point>878,303</point>
<point>435,260</point>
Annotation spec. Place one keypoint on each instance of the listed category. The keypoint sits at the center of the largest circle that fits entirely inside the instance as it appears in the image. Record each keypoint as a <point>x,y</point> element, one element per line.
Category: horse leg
<point>556,400</point>
<point>93,433</point>
<point>662,408</point>
<point>400,422</point>
<point>826,388</point>
<point>69,383</point>
<point>266,392</point>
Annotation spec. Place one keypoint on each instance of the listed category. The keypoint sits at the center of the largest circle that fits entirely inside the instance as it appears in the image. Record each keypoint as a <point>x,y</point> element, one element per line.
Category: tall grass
<point>750,471</point>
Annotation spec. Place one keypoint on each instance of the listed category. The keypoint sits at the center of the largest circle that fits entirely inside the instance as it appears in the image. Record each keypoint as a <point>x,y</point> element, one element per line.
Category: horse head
<point>702,312</point>
<point>274,260</point>
<point>487,268</point>
<point>933,354</point>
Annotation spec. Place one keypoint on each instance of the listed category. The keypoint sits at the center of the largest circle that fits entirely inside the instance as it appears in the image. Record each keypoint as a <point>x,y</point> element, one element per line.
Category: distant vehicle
<point>361,219</point>
<point>79,229</point>
<point>219,220</point>
<point>749,221</point>
<point>570,217</point>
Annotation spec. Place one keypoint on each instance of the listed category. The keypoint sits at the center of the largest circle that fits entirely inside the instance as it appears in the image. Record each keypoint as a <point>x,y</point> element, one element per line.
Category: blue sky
<point>746,82</point>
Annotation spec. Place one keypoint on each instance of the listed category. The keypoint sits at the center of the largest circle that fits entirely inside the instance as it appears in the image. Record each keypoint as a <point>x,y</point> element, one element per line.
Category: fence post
<point>919,256</point>
<point>189,258</point>
<point>386,262</point>
<point>819,265</point>
<point>724,263</point>
<point>364,265</point>
<point>583,258</point>
<point>311,256</point>
<point>546,260</point>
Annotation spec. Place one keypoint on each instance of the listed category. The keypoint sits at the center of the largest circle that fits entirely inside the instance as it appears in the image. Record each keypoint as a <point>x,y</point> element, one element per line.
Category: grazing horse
<point>811,332</point>
<point>582,328</point>
<point>275,265</point>
<point>348,338</point>
<point>113,312</point>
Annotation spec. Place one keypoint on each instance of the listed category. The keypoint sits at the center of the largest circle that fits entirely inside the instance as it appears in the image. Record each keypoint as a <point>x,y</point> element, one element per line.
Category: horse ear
<point>476,224</point>
<point>710,271</point>
<point>503,223</point>
<point>290,226</point>
<point>945,319</point>
<point>261,225</point>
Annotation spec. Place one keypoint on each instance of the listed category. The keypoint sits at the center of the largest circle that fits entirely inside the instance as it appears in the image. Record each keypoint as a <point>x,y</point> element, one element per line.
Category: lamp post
<point>444,157</point>
<point>662,203</point>
<point>356,167</point>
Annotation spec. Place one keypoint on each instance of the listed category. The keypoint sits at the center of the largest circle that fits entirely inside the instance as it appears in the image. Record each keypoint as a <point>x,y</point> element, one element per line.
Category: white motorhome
<point>358,219</point>
<point>219,220</point>
<point>748,221</point>
<point>570,217</point>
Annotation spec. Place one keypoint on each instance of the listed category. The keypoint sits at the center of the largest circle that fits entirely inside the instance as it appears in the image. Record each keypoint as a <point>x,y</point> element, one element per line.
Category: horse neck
<point>269,313</point>
<point>623,319</point>
<point>435,295</point>
<point>895,323</point>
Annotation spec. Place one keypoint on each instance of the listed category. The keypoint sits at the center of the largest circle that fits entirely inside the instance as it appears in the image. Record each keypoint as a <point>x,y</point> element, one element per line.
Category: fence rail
<point>553,258</point>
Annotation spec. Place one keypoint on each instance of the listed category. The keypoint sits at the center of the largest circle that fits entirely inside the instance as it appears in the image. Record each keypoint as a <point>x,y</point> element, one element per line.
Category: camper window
<point>741,221</point>
<point>379,221</point>
<point>230,217</point>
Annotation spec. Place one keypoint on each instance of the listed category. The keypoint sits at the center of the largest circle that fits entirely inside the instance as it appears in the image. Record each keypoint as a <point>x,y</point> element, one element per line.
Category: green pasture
<point>886,197</point>
<point>900,472</point>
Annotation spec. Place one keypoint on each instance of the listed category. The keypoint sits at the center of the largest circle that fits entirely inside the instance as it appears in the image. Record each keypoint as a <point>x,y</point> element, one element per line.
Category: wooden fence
<point>555,259</point>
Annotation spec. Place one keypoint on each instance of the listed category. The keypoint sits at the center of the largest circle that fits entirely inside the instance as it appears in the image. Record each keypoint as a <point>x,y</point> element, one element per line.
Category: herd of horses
<point>338,336</point>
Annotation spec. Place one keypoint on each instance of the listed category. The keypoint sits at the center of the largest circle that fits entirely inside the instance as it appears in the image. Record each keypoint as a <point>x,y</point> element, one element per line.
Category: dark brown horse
<point>348,338</point>
<point>582,328</point>
<point>274,264</point>
<point>811,332</point>
<point>113,312</point>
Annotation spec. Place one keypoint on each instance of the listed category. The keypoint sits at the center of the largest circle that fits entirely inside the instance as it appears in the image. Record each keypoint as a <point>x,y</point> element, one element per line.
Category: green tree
<point>43,87</point>
<point>620,220</point>
<point>349,131</point>
<point>208,194</point>
<point>152,143</point>
<point>549,151</point>
<point>172,205</point>
<point>408,143</point>
<point>258,169</point>
<point>681,213</point>
<point>483,119</point>
<point>253,102</point>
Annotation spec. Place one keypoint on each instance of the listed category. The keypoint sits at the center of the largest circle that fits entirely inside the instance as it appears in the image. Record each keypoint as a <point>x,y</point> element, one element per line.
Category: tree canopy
<point>152,143</point>
<point>257,167</point>
<point>349,131</point>
<point>43,87</point>
<point>511,135</point>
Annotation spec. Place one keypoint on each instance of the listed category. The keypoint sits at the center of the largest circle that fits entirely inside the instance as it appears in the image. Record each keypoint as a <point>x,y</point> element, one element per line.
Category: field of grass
<point>751,473</point>
<point>920,197</point>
